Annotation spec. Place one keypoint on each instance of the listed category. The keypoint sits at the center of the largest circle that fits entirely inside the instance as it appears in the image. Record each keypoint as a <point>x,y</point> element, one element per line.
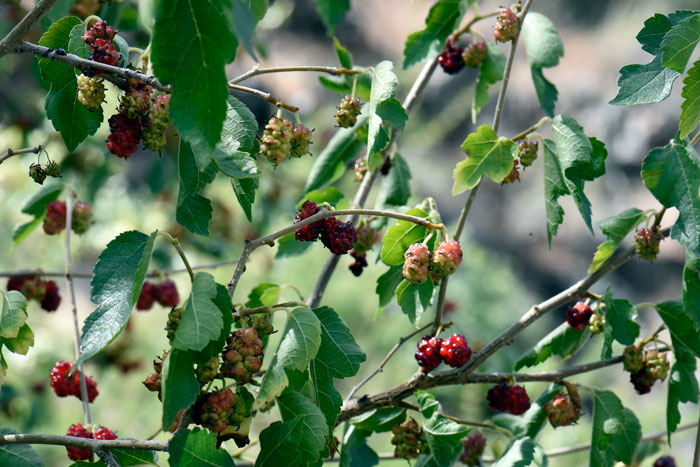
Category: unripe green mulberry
<point>647,243</point>
<point>527,152</point>
<point>301,139</point>
<point>82,216</point>
<point>156,123</point>
<point>207,372</point>
<point>409,440</point>
<point>219,410</point>
<point>242,357</point>
<point>174,317</point>
<point>91,91</point>
<point>416,263</point>
<point>135,103</point>
<point>633,358</point>
<point>276,141</point>
<point>348,110</point>
<point>53,169</point>
<point>474,54</point>
<point>596,324</point>
<point>656,365</point>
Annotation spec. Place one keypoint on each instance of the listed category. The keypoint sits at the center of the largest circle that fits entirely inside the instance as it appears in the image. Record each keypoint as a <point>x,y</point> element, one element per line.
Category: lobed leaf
<point>615,229</point>
<point>312,429</point>
<point>13,313</point>
<point>487,154</point>
<point>616,431</point>
<point>197,447</point>
<point>563,341</point>
<point>679,42</point>
<point>690,108</point>
<point>400,236</point>
<point>444,435</point>
<point>621,316</point>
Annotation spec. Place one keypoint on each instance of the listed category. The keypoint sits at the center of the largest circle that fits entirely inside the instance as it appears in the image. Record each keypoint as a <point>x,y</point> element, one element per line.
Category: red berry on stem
<point>517,402</point>
<point>167,294</point>
<point>147,297</point>
<point>55,220</point>
<point>455,351</point>
<point>416,263</point>
<point>497,395</point>
<point>52,299</point>
<point>125,134</point>
<point>428,353</point>
<point>78,454</point>
<point>665,461</point>
<point>473,449</point>
<point>446,258</point>
<point>104,433</point>
<point>339,237</point>
<point>474,54</point>
<point>308,233</point>
<point>103,51</point>
<point>450,59</point>
<point>579,315</point>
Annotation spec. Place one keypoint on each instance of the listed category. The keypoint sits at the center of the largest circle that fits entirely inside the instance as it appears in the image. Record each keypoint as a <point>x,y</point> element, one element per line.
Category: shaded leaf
<point>396,188</point>
<point>386,285</point>
<point>682,387</point>
<point>279,444</point>
<point>546,92</point>
<point>197,447</point>
<point>355,452</point>
<point>616,431</point>
<point>690,108</point>
<point>332,12</point>
<point>691,287</point>
<point>680,326</point>
<point>244,22</point>
<point>193,210</point>
<point>21,343</point>
<point>313,428</point>
<point>519,453</point>
<point>289,246</point>
<point>490,72</point>
<point>562,341</point>
<point>330,195</point>
<point>414,299</point>
<point>202,320</point>
<point>444,435</point>
<point>615,229</point>
<point>245,188</point>
<point>379,420</point>
<point>400,236</point>
<point>18,455</point>
<point>179,384</point>
<point>621,316</point>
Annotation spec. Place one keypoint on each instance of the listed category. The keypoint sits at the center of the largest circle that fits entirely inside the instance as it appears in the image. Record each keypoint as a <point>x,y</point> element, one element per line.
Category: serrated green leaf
<point>386,286</point>
<point>655,28</point>
<point>444,435</point>
<point>678,43</point>
<point>691,287</point>
<point>265,294</point>
<point>76,44</point>
<point>615,229</point>
<point>616,431</point>
<point>330,165</point>
<point>179,385</point>
<point>393,112</point>
<point>18,455</point>
<point>644,84</point>
<point>13,313</point>
<point>313,428</point>
<point>332,12</point>
<point>202,320</point>
<point>622,317</point>
<point>244,21</point>
<point>442,19</point>
<point>355,452</point>
<point>680,325</point>
<point>546,92</point>
<point>690,108</point>
<point>36,205</point>
<point>672,174</point>
<point>682,387</point>
<point>379,420</point>
<point>338,351</point>
<point>21,343</point>
<point>279,444</point>
<point>414,299</point>
<point>562,341</point>
<point>116,284</point>
<point>192,43</point>
<point>69,117</point>
<point>400,236</point>
<point>542,42</point>
<point>490,72</point>
<point>197,447</point>
<point>487,154</point>
<point>396,187</point>
<point>531,422</point>
<point>235,152</point>
<point>134,457</point>
<point>300,342</point>
<point>193,210</point>
<point>244,189</point>
<point>288,247</point>
<point>519,453</point>
<point>384,83</point>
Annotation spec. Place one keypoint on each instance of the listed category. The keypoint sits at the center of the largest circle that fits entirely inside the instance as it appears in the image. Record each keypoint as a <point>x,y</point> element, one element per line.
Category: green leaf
<point>192,43</point>
<point>690,108</point>
<point>379,420</point>
<point>202,320</point>
<point>562,341</point>
<point>672,174</point>
<point>490,72</point>
<point>21,343</point>
<point>36,206</point>
<point>396,188</point>
<point>542,42</point>
<point>244,189</point>
<point>606,350</point>
<point>116,285</point>
<point>616,431</point>
<point>343,54</point>
<point>384,83</point>
<point>193,211</point>
<point>615,229</point>
<point>400,236</point>
<point>279,444</point>
<point>574,148</point>
<point>519,453</point>
<point>680,325</point>
<point>69,117</point>
<point>355,452</point>
<point>332,12</point>
<point>289,246</point>
<point>414,299</point>
<point>442,19</point>
<point>244,22</point>
<point>487,154</point>
<point>531,422</point>
<point>180,387</point>
<point>644,84</point>
<point>546,92</point>
<point>265,294</point>
<point>13,313</point>
<point>330,165</point>
<point>655,28</point>
<point>444,435</point>
<point>134,457</point>
<point>622,317</point>
<point>235,152</point>
<point>679,43</point>
<point>18,455</point>
<point>313,428</point>
<point>197,447</point>
<point>386,285</point>
<point>393,112</point>
<point>682,387</point>
<point>691,287</point>
<point>330,195</point>
<point>300,342</point>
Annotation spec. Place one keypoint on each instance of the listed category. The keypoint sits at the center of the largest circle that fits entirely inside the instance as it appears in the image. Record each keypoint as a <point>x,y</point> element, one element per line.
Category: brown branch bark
<point>17,33</point>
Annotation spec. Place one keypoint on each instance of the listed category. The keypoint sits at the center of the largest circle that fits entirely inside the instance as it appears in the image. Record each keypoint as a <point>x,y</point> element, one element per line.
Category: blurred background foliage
<point>508,266</point>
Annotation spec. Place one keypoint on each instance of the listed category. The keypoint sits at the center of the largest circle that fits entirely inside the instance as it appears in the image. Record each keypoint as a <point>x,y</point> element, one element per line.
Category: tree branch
<point>11,152</point>
<point>94,444</point>
<point>266,96</point>
<point>256,70</point>
<point>22,28</point>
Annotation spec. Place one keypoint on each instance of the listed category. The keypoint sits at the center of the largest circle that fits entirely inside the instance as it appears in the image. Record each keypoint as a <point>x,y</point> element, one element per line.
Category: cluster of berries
<point>164,293</point>
<point>561,410</point>
<point>90,432</point>
<point>219,410</point>
<point>91,88</point>
<point>34,288</point>
<point>579,315</point>
<point>453,58</point>
<point>506,27</point>
<point>366,238</point>
<point>339,237</point>
<point>473,449</point>
<point>55,219</point>
<point>409,440</point>
<point>505,398</point>
<point>242,356</point>
<point>282,139</point>
<point>527,153</point>
<point>65,386</point>
<point>419,261</point>
<point>39,173</point>
<point>432,350</point>
<point>174,317</point>
<point>647,243</point>
<point>348,110</point>
<point>645,367</point>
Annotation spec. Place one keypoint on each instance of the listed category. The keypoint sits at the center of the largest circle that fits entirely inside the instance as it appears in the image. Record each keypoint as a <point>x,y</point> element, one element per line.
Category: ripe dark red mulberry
<point>104,433</point>
<point>339,237</point>
<point>455,351</point>
<point>450,59</point>
<point>218,410</point>
<point>147,297</point>
<point>665,461</point>
<point>124,136</point>
<point>64,386</point>
<point>167,294</point>
<point>642,381</point>
<point>579,315</point>
<point>52,299</point>
<point>359,264</point>
<point>517,402</point>
<point>55,220</point>
<point>428,353</point>
<point>497,395</point>
<point>32,287</point>
<point>311,232</point>
<point>473,449</point>
<point>78,454</point>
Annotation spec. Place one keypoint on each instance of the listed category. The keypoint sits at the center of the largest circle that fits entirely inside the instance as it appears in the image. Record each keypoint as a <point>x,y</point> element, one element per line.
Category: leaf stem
<point>265,309</point>
<point>256,70</point>
<point>466,28</point>
<point>534,127</point>
<point>176,243</point>
<point>695,138</point>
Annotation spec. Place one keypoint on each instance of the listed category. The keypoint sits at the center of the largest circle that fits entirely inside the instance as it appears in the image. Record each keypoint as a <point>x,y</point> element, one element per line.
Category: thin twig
<point>61,440</point>
<point>23,27</point>
<point>256,70</point>
<point>467,27</point>
<point>380,368</point>
<point>264,309</point>
<point>11,152</point>
<point>695,138</point>
<point>74,308</point>
<point>266,96</point>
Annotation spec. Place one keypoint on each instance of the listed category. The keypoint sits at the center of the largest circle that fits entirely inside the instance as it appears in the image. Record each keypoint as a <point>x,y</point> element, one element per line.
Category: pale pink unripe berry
<point>447,256</point>
<point>416,263</point>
